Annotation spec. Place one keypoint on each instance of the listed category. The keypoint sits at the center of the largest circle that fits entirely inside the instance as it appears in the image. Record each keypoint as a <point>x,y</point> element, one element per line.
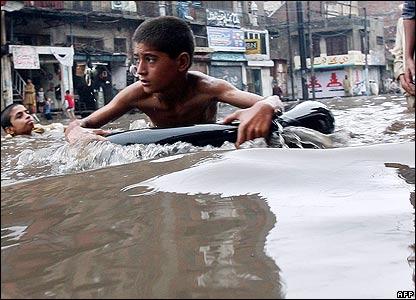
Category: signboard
<point>232,74</point>
<point>25,57</point>
<point>216,17</point>
<point>253,46</point>
<point>327,84</point>
<point>124,6</point>
<point>226,39</point>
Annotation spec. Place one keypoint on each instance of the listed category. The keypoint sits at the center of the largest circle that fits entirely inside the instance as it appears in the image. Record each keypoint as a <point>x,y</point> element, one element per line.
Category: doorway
<point>254,81</point>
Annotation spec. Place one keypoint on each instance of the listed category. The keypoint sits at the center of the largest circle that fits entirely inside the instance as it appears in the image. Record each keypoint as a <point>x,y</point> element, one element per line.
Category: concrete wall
<point>105,31</point>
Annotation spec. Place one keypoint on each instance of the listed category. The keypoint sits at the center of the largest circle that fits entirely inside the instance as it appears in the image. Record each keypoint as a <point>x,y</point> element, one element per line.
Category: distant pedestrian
<point>41,100</point>
<point>346,83</point>
<point>29,100</point>
<point>69,105</point>
<point>277,90</point>
<point>47,109</point>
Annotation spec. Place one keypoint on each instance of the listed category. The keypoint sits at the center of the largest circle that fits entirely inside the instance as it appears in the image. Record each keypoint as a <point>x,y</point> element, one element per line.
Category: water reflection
<point>329,219</point>
<point>79,244</point>
<point>408,174</point>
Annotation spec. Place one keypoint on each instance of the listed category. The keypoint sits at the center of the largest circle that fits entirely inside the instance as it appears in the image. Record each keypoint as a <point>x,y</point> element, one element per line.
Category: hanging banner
<point>25,57</point>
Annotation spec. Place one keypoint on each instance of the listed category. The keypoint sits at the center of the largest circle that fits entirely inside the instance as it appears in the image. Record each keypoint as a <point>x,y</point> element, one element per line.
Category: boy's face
<point>22,122</point>
<point>155,69</point>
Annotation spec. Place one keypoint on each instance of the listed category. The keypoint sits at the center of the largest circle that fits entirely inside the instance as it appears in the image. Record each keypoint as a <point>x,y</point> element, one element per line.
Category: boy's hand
<point>74,132</point>
<point>409,75</point>
<point>410,88</point>
<point>254,121</point>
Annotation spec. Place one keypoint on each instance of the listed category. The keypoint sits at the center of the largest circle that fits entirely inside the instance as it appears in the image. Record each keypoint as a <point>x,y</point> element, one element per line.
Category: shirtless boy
<point>171,95</point>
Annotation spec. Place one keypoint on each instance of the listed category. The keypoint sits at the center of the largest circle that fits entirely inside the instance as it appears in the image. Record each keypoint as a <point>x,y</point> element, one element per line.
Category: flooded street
<point>178,221</point>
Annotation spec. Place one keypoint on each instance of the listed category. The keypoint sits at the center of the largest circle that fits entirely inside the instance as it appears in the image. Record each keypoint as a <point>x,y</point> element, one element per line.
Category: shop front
<point>49,68</point>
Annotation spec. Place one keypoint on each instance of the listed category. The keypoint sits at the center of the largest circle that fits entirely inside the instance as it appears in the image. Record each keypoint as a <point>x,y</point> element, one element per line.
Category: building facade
<point>231,39</point>
<point>337,42</point>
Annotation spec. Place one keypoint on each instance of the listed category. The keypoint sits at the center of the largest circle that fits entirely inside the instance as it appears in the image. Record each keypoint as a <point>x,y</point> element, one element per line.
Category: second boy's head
<point>163,50</point>
<point>16,120</point>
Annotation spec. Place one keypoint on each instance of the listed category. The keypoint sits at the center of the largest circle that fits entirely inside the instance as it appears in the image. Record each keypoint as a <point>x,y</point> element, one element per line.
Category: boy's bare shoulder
<point>206,83</point>
<point>133,93</point>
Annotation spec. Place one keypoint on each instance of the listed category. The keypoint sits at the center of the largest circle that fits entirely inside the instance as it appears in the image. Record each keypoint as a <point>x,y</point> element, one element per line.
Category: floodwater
<point>107,221</point>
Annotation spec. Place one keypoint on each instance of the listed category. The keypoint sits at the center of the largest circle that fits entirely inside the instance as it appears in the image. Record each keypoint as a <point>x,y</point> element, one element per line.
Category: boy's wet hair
<point>167,34</point>
<point>5,115</point>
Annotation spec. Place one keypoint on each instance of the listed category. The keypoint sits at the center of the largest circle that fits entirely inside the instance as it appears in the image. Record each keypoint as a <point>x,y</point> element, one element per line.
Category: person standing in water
<point>408,15</point>
<point>400,62</point>
<point>69,105</point>
<point>346,83</point>
<point>29,100</point>
<point>40,100</point>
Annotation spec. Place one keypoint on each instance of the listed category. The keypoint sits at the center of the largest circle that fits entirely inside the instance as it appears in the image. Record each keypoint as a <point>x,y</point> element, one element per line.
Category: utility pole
<point>290,51</point>
<point>311,56</point>
<point>367,85</point>
<point>301,34</point>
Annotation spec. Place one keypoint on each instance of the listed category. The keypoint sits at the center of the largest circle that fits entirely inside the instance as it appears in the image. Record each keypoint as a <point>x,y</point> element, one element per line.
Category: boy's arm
<point>256,115</point>
<point>122,103</point>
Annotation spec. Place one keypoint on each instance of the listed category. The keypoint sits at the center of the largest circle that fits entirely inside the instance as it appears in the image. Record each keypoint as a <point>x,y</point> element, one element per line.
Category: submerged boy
<point>16,120</point>
<point>171,95</point>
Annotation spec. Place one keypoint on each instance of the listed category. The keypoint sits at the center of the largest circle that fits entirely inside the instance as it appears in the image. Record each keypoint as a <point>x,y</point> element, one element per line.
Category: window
<point>380,40</point>
<point>223,5</point>
<point>34,40</point>
<point>336,45</point>
<point>79,42</point>
<point>363,44</point>
<point>120,45</point>
<point>315,45</point>
<point>82,5</point>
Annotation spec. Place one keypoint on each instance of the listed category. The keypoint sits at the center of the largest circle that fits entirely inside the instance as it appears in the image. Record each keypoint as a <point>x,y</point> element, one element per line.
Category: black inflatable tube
<point>309,114</point>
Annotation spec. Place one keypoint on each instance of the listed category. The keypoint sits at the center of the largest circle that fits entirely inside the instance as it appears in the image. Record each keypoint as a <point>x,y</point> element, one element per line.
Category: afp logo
<point>405,294</point>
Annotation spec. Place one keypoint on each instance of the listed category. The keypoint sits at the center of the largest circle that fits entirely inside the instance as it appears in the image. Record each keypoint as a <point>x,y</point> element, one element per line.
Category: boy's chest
<point>197,110</point>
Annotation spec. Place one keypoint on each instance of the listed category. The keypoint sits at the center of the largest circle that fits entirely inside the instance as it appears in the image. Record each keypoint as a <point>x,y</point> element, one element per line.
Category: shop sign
<point>226,39</point>
<point>129,6</point>
<point>327,84</point>
<point>353,58</point>
<point>216,17</point>
<point>253,46</point>
<point>25,57</point>
<point>232,74</point>
<point>329,60</point>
